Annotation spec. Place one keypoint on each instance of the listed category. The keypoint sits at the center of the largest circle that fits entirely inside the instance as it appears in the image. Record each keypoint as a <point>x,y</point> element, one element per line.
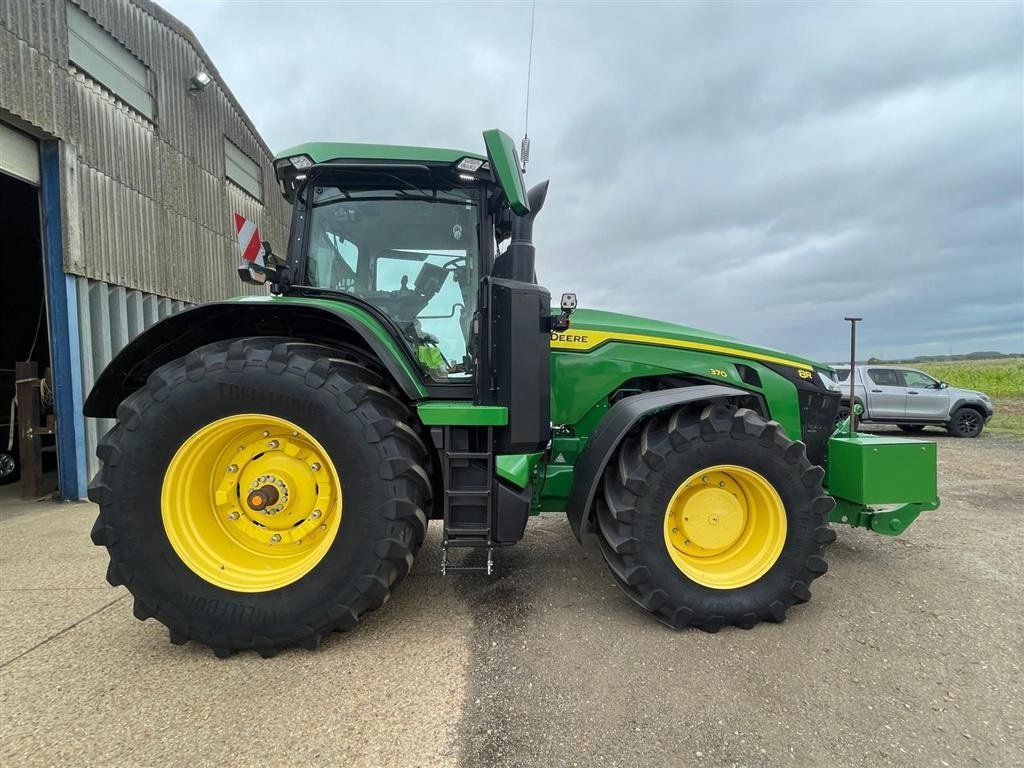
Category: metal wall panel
<point>153,208</point>
<point>109,317</point>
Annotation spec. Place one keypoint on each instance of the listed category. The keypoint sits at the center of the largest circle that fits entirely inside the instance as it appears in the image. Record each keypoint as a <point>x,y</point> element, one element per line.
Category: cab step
<point>467,471</point>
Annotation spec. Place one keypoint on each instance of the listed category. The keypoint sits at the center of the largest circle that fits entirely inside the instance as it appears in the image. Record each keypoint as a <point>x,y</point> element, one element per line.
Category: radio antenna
<point>524,147</point>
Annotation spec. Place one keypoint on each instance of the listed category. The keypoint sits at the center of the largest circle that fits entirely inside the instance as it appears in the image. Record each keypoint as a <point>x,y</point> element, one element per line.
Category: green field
<point>1002,380</point>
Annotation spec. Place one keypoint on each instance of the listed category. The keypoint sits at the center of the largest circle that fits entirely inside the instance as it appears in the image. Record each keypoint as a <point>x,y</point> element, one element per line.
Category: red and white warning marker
<point>253,266</point>
<point>249,244</point>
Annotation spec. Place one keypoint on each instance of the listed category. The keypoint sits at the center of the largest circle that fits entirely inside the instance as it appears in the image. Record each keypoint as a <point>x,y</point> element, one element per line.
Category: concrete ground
<point>909,654</point>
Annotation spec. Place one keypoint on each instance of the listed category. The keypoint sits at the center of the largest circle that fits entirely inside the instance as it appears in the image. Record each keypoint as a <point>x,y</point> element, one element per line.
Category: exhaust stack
<point>518,262</point>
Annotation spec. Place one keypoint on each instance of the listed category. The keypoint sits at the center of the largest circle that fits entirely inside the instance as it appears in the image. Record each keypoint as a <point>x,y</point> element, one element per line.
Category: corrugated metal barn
<point>122,159</point>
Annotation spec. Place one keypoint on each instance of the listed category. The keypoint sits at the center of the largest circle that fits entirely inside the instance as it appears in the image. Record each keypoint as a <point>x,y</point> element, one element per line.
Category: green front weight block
<point>881,483</point>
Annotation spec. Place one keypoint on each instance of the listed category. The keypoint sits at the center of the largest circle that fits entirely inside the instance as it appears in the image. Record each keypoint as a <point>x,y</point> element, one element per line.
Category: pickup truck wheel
<point>712,517</point>
<point>911,427</point>
<point>966,422</point>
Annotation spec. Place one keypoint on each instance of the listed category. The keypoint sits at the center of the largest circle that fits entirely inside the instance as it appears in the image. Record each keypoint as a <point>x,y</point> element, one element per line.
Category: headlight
<point>828,382</point>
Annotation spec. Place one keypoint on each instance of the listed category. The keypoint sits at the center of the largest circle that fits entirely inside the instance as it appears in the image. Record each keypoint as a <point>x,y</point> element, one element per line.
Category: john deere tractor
<point>276,459</point>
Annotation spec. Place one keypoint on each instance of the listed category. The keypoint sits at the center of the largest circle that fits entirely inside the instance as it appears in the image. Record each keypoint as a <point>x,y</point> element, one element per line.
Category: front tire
<point>713,517</point>
<point>260,493</point>
<point>966,422</point>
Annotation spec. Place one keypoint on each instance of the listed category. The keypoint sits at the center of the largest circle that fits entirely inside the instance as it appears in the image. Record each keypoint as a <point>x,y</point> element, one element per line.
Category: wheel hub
<point>712,520</point>
<point>262,498</point>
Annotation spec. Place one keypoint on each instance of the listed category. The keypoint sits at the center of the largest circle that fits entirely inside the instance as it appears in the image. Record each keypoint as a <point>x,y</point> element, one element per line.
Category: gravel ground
<point>909,654</point>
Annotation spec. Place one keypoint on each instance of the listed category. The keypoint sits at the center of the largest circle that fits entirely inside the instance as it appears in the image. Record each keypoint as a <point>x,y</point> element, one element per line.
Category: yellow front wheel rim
<point>251,502</point>
<point>725,526</point>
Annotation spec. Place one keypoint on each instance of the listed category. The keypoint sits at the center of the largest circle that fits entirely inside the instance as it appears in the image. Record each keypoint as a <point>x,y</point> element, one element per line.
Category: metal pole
<point>853,368</point>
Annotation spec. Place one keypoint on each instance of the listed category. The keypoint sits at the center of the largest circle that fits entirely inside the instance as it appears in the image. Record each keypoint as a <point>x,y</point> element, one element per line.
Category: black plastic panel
<point>516,363</point>
<point>513,509</point>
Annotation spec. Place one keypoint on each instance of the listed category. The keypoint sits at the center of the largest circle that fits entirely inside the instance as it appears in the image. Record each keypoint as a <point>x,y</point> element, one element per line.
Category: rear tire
<point>911,427</point>
<point>643,481</point>
<point>345,407</point>
<point>966,422</point>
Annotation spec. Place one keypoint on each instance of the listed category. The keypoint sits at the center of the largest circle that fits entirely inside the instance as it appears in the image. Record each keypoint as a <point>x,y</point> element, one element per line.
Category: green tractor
<point>276,459</point>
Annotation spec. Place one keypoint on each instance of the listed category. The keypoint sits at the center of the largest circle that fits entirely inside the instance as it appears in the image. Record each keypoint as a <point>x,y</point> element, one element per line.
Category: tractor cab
<point>411,235</point>
<point>413,254</point>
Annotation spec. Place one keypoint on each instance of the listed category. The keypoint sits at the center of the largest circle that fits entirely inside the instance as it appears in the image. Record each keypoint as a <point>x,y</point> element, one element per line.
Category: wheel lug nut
<point>266,434</point>
<point>233,516</point>
<point>233,468</point>
<point>273,444</point>
<point>275,538</point>
<point>295,434</point>
<point>323,527</point>
<point>315,466</point>
<point>316,514</point>
<point>721,483</point>
<point>675,530</point>
<point>704,479</point>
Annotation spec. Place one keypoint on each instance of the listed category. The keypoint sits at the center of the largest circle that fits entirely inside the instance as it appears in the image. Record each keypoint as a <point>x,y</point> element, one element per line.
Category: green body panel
<point>655,330</point>
<point>461,413</point>
<point>353,314</point>
<point>580,381</point>
<point>871,470</point>
<point>323,151</point>
<point>516,468</point>
<point>501,151</point>
<point>616,348</point>
<point>602,351</point>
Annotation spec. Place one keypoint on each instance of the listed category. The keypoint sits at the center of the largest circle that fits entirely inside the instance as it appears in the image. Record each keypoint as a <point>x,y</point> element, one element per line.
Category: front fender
<point>307,319</point>
<point>976,403</point>
<point>620,419</point>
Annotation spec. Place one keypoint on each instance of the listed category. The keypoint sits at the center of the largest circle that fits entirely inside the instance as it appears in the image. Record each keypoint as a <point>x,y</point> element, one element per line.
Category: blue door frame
<point>62,314</point>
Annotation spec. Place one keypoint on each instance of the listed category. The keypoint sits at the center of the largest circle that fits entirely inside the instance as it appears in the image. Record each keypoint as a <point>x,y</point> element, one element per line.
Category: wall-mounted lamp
<point>198,82</point>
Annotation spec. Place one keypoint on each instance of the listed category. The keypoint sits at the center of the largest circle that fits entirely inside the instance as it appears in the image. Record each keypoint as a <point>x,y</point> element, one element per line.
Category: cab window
<point>918,379</point>
<point>883,377</point>
<point>410,252</point>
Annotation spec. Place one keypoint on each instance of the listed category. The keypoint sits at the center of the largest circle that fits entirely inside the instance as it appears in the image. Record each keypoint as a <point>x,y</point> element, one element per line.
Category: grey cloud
<point>760,169</point>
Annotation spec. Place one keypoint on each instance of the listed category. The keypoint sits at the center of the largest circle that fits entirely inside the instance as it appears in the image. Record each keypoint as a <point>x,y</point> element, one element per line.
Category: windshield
<point>412,253</point>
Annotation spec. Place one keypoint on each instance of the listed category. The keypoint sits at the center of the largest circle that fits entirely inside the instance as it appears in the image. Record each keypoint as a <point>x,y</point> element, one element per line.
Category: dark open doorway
<point>24,332</point>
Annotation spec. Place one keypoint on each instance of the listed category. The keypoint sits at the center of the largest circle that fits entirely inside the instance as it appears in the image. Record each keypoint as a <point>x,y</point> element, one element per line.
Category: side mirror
<point>943,385</point>
<point>264,266</point>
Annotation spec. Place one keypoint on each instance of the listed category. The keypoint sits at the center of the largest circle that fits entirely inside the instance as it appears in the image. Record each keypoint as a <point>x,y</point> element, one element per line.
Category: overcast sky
<point>758,169</point>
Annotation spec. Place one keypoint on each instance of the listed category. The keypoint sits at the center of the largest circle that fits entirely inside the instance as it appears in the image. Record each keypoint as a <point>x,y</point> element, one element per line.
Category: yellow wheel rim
<point>251,503</point>
<point>725,526</point>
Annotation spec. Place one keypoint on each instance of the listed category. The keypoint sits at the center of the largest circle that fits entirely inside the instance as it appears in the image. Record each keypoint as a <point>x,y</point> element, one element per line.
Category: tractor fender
<point>179,334</point>
<point>620,419</point>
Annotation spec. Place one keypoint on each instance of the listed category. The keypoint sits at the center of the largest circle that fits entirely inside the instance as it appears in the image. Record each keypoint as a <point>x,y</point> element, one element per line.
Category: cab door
<point>924,398</point>
<point>887,397</point>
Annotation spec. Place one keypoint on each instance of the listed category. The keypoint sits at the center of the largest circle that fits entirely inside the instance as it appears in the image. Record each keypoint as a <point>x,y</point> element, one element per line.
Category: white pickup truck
<point>913,400</point>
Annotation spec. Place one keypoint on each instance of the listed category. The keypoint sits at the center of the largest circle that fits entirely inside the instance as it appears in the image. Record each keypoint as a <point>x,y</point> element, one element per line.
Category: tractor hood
<point>592,328</point>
